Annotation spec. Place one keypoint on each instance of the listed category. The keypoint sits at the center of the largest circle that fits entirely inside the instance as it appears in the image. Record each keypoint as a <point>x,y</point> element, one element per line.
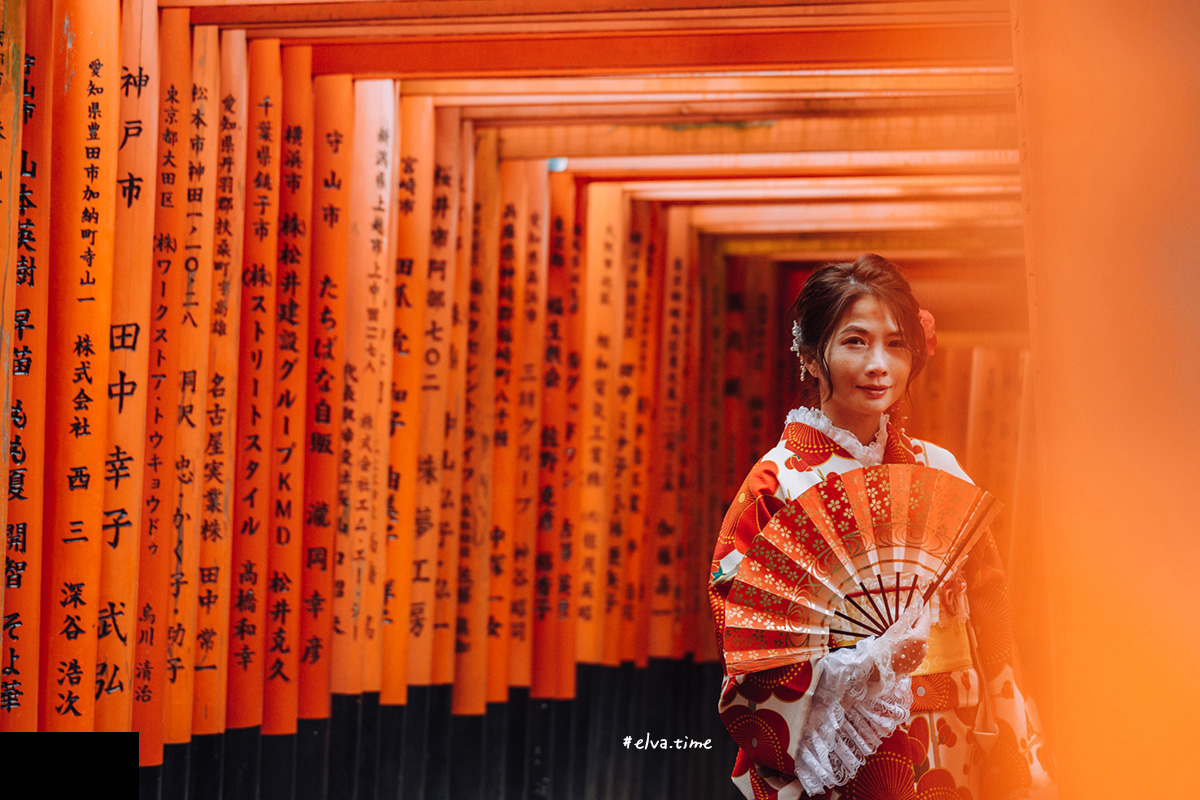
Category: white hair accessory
<point>796,338</point>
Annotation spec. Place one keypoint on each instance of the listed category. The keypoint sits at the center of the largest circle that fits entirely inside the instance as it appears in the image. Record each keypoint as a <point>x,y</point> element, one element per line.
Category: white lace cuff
<point>850,715</point>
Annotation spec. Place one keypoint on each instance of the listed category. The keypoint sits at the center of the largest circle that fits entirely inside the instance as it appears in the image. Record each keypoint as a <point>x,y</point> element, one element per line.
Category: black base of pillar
<point>208,764</point>
<point>278,774</point>
<point>242,763</point>
<point>344,720</point>
<point>312,759</point>
<point>149,783</point>
<point>468,736</point>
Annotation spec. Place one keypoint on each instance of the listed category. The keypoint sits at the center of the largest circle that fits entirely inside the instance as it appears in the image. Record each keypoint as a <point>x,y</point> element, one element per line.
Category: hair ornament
<point>796,338</point>
<point>930,331</point>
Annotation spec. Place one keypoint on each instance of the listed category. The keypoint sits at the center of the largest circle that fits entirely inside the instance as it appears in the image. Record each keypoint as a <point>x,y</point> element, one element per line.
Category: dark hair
<point>832,289</point>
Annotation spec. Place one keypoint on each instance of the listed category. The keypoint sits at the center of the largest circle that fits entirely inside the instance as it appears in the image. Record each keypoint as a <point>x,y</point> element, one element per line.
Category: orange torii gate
<point>745,139</point>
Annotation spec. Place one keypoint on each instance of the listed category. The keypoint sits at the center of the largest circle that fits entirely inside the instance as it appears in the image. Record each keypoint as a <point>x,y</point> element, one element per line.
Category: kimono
<point>902,736</point>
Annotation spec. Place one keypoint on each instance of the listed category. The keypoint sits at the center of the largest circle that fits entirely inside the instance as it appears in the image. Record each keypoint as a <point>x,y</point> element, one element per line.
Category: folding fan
<point>846,558</point>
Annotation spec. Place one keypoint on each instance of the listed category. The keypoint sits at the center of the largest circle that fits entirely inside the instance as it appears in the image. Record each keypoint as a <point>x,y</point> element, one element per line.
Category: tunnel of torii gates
<point>403,359</point>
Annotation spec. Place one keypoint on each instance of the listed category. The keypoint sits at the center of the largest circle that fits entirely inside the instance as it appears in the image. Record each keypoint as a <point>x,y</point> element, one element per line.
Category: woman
<point>931,708</point>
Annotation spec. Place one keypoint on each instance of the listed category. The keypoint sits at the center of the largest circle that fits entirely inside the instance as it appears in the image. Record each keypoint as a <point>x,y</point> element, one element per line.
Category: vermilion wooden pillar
<point>375,588</point>
<point>571,206</point>
<point>228,118</point>
<point>470,668</point>
<point>325,513</point>
<point>456,406</point>
<point>412,536</point>
<point>693,508</point>
<point>284,558</point>
<point>647,443</point>
<point>129,345</point>
<point>21,682</point>
<point>469,699</point>
<point>249,578</point>
<point>1111,203</point>
<point>513,244</point>
<point>603,299</point>
<point>737,458</point>
<point>636,376</point>
<point>443,366</point>
<point>713,429</point>
<point>188,421</point>
<point>170,227</point>
<point>624,407</point>
<point>548,651</point>
<point>761,309</point>
<point>10,154</point>
<point>82,224</point>
<point>367,332</point>
<point>445,343</point>
<point>666,548</point>
<point>530,304</point>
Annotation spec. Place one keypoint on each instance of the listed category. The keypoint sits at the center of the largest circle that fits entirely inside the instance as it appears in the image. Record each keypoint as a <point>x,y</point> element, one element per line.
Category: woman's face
<point>869,365</point>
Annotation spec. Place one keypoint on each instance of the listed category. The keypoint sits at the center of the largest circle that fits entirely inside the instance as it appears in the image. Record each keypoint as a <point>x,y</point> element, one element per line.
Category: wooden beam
<point>827,163</point>
<point>908,187</point>
<point>703,86</point>
<point>981,131</point>
<point>949,242</point>
<point>855,216</point>
<point>693,113</point>
<point>730,13</point>
<point>614,53</point>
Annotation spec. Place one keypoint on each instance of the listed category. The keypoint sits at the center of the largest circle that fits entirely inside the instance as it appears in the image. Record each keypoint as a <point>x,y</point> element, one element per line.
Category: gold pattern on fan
<point>843,560</point>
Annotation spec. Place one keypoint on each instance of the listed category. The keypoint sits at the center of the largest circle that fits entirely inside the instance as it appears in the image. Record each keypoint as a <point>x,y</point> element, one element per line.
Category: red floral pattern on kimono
<point>934,755</point>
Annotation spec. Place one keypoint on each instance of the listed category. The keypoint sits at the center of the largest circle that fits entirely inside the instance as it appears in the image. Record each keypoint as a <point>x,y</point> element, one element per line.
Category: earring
<point>803,368</point>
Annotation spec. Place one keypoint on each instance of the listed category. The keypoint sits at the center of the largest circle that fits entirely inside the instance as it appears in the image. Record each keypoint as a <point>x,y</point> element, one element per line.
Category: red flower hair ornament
<point>930,332</point>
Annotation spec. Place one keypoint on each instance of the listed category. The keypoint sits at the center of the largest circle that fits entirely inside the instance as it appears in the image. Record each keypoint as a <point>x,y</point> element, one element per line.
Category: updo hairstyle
<point>831,290</point>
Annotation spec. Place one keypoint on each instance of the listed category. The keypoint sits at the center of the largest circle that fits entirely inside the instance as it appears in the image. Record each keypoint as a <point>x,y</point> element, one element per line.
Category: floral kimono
<point>845,725</point>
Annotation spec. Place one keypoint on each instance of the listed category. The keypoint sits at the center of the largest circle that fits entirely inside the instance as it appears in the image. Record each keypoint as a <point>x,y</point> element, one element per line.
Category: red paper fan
<point>844,560</point>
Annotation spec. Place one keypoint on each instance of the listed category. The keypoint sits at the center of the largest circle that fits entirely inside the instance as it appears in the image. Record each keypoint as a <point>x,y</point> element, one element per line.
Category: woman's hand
<point>907,639</point>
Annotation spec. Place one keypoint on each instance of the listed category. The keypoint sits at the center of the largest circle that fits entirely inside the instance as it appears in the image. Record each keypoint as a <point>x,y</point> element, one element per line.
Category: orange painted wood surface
<point>365,334</point>
<point>634,419</point>
<point>666,549</point>
<point>82,224</point>
<point>20,683</point>
<point>192,319</point>
<point>255,401</point>
<point>529,309</point>
<point>506,457</point>
<point>456,404</point>
<point>709,484</point>
<point>227,120</point>
<point>471,651</point>
<point>738,457</point>
<point>692,510</point>
<point>375,589</point>
<point>603,303</point>
<point>12,42</point>
<point>568,203</point>
<point>606,54</point>
<point>622,404</point>
<point>325,511</point>
<point>548,644</point>
<point>129,347</point>
<point>158,489</point>
<point>648,444</point>
<point>763,334</point>
<point>442,381</point>
<point>292,275</point>
<point>413,493</point>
